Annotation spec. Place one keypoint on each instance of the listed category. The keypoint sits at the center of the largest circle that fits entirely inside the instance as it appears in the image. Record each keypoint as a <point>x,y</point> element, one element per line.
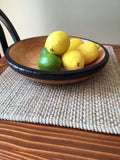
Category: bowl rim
<point>17,66</point>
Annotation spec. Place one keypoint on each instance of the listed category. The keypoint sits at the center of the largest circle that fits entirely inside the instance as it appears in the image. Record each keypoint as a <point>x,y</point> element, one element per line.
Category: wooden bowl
<point>23,57</point>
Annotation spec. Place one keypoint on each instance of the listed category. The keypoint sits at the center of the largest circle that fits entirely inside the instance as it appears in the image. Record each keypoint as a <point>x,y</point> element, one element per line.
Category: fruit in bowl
<point>70,53</point>
<point>90,51</point>
<point>57,42</point>
<point>73,60</point>
<point>49,62</point>
<point>75,43</point>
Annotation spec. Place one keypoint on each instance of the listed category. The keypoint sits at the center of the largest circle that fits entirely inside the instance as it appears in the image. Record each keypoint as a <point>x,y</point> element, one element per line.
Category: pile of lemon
<point>61,51</point>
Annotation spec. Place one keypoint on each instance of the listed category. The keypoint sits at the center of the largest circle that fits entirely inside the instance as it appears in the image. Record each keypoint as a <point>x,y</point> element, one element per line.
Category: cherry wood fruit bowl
<point>23,57</point>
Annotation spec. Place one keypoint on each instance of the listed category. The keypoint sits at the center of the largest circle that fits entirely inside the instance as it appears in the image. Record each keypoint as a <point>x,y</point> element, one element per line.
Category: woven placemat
<point>93,104</point>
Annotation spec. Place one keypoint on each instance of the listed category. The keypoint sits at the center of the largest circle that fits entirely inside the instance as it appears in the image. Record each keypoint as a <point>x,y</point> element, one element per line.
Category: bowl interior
<point>27,52</point>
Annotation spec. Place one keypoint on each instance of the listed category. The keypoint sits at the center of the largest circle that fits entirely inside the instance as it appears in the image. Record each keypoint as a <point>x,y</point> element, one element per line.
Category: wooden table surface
<point>25,141</point>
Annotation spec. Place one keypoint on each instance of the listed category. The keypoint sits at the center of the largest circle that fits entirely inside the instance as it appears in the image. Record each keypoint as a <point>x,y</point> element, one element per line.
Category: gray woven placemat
<point>93,104</point>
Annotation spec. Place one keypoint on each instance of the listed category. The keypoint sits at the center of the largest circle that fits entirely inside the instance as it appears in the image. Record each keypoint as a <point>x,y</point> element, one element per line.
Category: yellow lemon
<point>73,60</point>
<point>57,42</point>
<point>75,43</point>
<point>90,51</point>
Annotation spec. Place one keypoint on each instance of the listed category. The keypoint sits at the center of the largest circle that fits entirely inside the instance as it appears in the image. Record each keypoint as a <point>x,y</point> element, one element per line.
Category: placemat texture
<point>93,104</point>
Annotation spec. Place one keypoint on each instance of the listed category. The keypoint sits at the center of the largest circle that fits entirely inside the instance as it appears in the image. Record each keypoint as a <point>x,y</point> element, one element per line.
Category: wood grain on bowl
<point>27,52</point>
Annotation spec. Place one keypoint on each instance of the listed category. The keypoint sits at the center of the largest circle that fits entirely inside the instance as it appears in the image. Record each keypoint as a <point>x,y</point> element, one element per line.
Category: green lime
<point>49,62</point>
<point>44,51</point>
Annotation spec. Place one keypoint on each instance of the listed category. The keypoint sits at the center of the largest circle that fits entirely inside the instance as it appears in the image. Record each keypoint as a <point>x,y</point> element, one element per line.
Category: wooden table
<point>27,141</point>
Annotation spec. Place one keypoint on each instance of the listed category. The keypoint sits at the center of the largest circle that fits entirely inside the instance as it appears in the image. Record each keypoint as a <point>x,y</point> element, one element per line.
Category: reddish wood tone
<point>27,141</point>
<point>3,65</point>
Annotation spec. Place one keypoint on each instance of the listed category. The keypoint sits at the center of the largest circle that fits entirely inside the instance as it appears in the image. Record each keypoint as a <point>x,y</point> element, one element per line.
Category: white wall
<point>98,20</point>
